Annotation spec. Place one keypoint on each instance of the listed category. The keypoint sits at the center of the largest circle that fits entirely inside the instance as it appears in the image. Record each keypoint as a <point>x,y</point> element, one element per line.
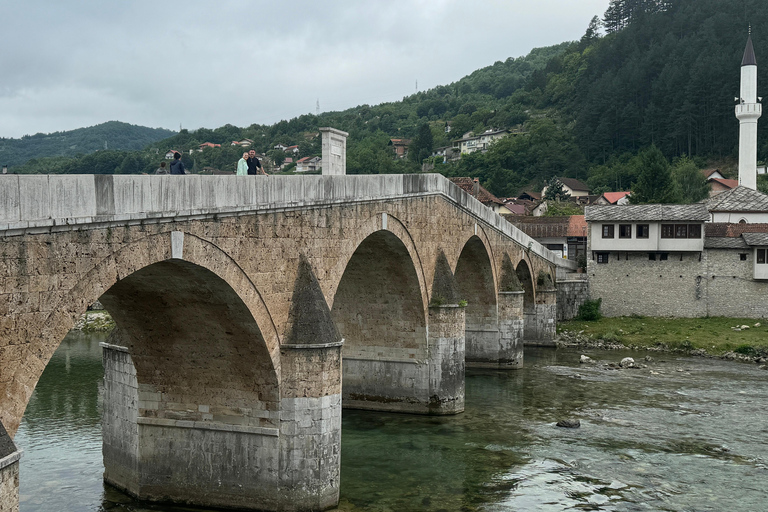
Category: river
<point>683,434</point>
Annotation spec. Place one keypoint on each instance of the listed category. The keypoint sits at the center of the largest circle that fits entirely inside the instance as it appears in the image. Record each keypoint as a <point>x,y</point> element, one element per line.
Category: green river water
<point>684,434</point>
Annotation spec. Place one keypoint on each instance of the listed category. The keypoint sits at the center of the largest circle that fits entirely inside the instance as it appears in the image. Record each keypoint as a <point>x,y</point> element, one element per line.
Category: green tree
<point>691,182</point>
<point>277,156</point>
<point>655,183</point>
<point>555,190</point>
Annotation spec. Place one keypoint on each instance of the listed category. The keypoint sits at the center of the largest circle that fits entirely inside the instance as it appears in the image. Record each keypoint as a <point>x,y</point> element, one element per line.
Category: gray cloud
<point>69,64</point>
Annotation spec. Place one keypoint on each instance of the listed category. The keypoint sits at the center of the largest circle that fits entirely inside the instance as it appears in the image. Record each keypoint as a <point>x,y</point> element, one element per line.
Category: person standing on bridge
<point>254,166</point>
<point>242,165</point>
<point>177,167</point>
<point>162,169</point>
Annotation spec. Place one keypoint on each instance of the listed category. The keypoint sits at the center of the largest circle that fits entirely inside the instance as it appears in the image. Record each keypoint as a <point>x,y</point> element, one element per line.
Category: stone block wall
<point>119,425</point>
<point>446,359</point>
<point>9,486</point>
<point>511,329</point>
<point>9,473</point>
<point>571,293</point>
<point>715,283</point>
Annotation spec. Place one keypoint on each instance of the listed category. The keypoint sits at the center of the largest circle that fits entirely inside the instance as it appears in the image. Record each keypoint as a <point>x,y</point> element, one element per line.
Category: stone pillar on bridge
<point>334,151</point>
<point>9,473</point>
<point>511,317</point>
<point>310,404</point>
<point>542,325</point>
<point>446,343</point>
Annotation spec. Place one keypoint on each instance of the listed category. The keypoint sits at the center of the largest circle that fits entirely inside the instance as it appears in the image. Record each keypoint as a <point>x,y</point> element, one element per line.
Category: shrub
<point>590,310</point>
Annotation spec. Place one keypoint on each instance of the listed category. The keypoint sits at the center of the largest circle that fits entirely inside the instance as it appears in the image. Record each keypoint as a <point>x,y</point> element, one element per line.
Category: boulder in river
<point>569,423</point>
<point>585,359</point>
<point>627,362</point>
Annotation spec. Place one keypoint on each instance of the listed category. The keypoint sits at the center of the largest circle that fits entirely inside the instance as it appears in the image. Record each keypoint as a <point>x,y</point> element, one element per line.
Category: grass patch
<point>715,335</point>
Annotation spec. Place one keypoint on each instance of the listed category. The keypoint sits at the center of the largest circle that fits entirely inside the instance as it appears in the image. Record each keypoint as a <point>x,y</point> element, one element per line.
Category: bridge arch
<point>119,265</point>
<point>378,308</point>
<point>382,221</point>
<point>525,277</point>
<point>476,281</point>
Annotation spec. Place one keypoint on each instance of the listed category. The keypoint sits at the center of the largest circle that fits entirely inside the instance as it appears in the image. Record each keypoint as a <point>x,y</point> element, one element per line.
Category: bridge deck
<point>40,203</point>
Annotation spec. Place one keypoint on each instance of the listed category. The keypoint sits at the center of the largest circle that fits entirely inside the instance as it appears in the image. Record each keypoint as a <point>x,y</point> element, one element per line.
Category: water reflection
<point>682,434</point>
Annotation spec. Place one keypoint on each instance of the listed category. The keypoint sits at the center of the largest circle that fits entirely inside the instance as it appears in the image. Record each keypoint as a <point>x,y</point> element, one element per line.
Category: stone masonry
<point>714,283</point>
<point>9,473</point>
<point>200,275</point>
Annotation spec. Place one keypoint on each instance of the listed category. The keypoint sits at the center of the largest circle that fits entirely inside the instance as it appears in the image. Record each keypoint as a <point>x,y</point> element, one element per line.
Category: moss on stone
<point>509,281</point>
<point>444,288</point>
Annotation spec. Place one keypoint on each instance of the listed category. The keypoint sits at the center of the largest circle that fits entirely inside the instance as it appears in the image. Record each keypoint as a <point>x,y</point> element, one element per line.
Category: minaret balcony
<point>749,110</point>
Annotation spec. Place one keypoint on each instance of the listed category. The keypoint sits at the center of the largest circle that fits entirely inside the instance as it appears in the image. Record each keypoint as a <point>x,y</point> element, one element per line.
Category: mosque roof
<point>749,54</point>
<point>739,199</point>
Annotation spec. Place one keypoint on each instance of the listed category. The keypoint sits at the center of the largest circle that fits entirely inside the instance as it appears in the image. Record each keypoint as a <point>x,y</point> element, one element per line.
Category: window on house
<point>602,257</point>
<point>694,230</point>
<point>681,231</point>
<point>667,231</point>
<point>607,230</point>
<point>761,256</point>
<point>642,231</point>
<point>664,256</point>
<point>743,257</point>
<point>625,230</point>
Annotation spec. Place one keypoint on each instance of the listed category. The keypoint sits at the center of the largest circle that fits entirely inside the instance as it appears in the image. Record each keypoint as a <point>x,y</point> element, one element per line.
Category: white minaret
<point>748,111</point>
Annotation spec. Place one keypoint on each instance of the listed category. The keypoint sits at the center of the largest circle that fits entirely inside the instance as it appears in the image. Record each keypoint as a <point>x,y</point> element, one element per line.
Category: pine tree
<point>654,183</point>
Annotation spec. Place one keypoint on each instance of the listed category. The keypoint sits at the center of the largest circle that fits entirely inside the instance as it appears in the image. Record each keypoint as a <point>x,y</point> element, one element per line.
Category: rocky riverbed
<point>580,340</point>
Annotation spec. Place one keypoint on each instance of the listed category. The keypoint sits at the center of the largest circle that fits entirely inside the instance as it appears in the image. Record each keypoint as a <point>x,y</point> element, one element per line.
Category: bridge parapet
<point>43,203</point>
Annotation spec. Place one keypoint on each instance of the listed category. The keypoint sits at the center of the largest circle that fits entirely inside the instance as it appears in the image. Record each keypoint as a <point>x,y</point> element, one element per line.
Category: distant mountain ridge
<point>115,135</point>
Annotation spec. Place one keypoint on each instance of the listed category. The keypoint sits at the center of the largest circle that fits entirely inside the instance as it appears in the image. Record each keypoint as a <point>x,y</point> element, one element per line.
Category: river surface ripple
<point>683,434</point>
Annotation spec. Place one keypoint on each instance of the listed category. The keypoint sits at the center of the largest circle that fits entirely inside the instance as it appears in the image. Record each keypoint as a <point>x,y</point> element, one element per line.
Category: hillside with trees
<point>112,135</point>
<point>649,79</point>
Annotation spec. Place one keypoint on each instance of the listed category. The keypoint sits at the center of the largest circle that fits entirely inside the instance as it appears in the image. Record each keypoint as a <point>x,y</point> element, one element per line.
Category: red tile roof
<point>577,226</point>
<point>731,230</point>
<point>468,185</point>
<point>726,182</point>
<point>613,197</point>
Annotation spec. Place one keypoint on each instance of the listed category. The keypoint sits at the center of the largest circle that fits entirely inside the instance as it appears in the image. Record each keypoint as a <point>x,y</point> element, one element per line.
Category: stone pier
<point>9,473</point>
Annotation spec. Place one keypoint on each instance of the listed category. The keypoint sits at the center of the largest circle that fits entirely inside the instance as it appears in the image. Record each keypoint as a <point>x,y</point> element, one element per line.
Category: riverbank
<point>727,338</point>
<point>94,321</point>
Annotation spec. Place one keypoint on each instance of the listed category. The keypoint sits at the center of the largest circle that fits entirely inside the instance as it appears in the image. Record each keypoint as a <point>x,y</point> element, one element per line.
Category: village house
<point>400,146</point>
<point>205,145</point>
<point>566,236</point>
<point>613,198</point>
<point>469,143</point>
<point>169,154</point>
<point>573,186</point>
<point>473,187</point>
<point>309,164</point>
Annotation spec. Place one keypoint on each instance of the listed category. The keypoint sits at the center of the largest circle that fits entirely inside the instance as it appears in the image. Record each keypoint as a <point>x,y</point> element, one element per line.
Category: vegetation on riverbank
<point>714,336</point>
<point>95,321</point>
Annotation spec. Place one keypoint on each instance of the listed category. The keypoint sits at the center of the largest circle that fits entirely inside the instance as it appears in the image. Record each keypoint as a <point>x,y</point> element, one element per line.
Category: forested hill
<point>109,135</point>
<point>646,72</point>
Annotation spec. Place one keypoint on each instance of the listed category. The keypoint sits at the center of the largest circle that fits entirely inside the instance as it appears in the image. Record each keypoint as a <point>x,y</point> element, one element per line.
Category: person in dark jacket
<point>177,167</point>
<point>254,166</point>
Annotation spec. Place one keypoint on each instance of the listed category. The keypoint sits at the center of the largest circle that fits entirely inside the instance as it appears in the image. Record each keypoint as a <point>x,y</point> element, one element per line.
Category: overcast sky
<point>69,64</point>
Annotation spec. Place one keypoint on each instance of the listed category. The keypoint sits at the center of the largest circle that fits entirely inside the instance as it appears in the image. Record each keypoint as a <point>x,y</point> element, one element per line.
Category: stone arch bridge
<point>240,303</point>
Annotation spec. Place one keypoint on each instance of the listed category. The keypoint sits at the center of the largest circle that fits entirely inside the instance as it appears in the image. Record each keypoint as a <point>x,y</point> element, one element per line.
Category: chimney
<point>476,187</point>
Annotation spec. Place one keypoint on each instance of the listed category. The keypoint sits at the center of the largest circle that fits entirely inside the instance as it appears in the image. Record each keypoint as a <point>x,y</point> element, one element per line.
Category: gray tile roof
<point>724,243</point>
<point>648,212</point>
<point>739,199</point>
<point>755,238</point>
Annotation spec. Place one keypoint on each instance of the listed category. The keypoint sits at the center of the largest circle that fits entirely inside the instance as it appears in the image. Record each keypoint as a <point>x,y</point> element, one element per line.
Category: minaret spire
<point>748,111</point>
